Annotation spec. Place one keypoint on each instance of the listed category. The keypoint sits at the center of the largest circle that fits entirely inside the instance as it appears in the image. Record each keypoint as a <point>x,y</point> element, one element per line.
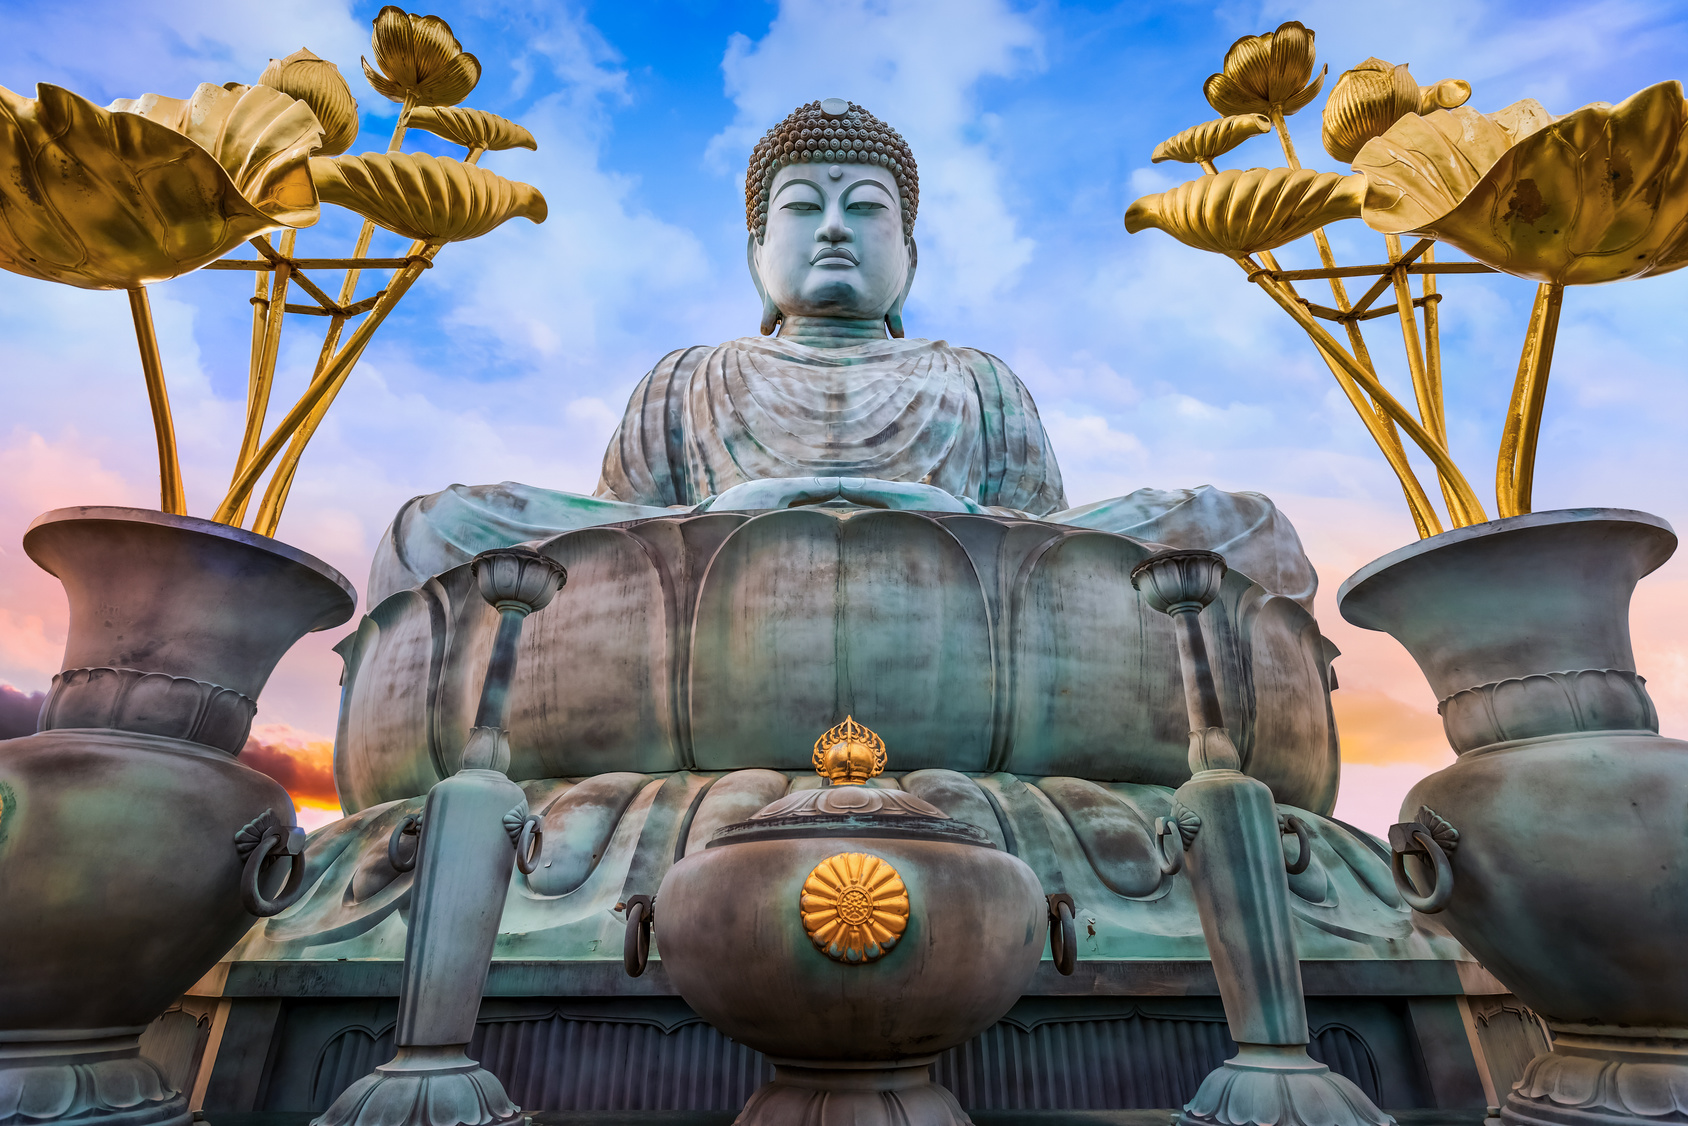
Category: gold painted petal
<point>1230,98</point>
<point>319,84</point>
<point>425,197</point>
<point>1240,212</point>
<point>1597,196</point>
<point>105,200</point>
<point>473,128</point>
<point>1419,169</point>
<point>261,137</point>
<point>1371,97</point>
<point>1211,138</point>
<point>1290,62</point>
<point>420,57</point>
<point>1261,71</point>
<point>1298,102</point>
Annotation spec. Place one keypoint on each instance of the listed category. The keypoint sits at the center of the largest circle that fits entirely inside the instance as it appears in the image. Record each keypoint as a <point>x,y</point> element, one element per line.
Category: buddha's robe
<point>952,428</point>
<point>759,408</point>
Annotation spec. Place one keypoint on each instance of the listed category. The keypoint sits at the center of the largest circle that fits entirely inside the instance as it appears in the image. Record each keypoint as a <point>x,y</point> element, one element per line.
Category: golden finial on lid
<point>849,754</point>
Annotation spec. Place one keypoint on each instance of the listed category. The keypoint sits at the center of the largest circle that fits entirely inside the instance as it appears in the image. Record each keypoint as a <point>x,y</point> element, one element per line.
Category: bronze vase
<point>1556,847</point>
<point>135,848</point>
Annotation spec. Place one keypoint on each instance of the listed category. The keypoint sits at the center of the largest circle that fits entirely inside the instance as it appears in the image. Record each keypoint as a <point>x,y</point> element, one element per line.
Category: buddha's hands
<point>836,492</point>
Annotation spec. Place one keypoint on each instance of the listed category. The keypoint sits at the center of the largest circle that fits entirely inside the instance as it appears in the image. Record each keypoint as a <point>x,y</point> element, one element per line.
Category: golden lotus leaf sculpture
<point>319,84</point>
<point>424,197</point>
<point>1238,212</point>
<point>120,198</point>
<point>1266,73</point>
<point>1373,96</point>
<point>855,907</point>
<point>420,61</point>
<point>1199,144</point>
<point>472,128</point>
<point>1595,196</point>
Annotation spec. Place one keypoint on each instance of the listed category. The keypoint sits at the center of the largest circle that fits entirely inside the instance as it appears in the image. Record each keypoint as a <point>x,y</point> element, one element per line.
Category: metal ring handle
<point>636,947</point>
<point>282,838</point>
<point>529,845</point>
<point>1167,827</point>
<point>1063,933</point>
<point>1419,840</point>
<point>410,826</point>
<point>1305,856</point>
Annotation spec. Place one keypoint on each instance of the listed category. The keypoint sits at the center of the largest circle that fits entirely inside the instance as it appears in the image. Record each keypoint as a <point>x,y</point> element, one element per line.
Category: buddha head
<point>830,199</point>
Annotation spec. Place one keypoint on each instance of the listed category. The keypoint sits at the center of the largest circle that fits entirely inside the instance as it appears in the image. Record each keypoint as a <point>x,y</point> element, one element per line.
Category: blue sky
<point>1032,123</point>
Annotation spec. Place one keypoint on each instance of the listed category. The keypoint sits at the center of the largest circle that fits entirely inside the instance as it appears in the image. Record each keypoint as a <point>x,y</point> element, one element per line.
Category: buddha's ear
<point>771,315</point>
<point>894,318</point>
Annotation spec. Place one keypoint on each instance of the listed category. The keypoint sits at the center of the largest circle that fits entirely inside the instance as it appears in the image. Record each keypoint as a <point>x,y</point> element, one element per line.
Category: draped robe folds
<point>955,425</point>
<point>755,409</point>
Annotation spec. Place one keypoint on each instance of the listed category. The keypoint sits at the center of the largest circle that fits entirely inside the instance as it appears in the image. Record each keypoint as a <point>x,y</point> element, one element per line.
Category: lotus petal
<point>1373,96</point>
<point>1262,71</point>
<point>425,197</point>
<point>1211,138</point>
<point>1596,196</point>
<point>105,200</point>
<point>473,128</point>
<point>259,135</point>
<point>319,84</point>
<point>419,58</point>
<point>1240,212</point>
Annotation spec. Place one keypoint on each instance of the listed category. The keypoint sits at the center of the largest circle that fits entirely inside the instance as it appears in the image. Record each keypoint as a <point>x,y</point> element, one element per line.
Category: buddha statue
<point>831,404</point>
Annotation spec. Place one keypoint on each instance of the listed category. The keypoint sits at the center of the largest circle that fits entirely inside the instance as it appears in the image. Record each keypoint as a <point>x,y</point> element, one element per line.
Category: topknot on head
<point>833,131</point>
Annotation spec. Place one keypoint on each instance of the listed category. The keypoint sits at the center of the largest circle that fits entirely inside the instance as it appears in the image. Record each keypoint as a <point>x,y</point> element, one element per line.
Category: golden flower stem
<point>171,497</point>
<point>281,481</point>
<point>1466,508</point>
<point>260,317</point>
<point>1515,468</point>
<point>1428,397</point>
<point>402,124</point>
<point>241,488</point>
<point>263,377</point>
<point>1338,291</point>
<point>1433,346</point>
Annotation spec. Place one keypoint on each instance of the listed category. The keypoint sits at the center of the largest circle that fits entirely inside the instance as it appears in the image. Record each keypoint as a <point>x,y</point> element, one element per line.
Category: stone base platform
<point>261,1044</point>
<point>1149,1117</point>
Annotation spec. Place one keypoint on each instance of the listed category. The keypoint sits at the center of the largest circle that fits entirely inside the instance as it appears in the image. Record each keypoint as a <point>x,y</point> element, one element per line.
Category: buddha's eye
<point>863,206</point>
<point>801,205</point>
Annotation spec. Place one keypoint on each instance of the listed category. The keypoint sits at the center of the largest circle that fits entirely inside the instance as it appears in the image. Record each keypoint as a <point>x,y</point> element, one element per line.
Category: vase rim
<point>1455,536</point>
<point>124,514</point>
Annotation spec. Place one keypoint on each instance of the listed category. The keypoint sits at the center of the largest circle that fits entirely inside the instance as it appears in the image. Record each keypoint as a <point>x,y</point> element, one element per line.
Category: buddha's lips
<point>826,252</point>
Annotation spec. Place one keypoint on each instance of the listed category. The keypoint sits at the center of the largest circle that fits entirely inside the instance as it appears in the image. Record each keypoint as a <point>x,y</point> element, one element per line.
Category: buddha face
<point>834,245</point>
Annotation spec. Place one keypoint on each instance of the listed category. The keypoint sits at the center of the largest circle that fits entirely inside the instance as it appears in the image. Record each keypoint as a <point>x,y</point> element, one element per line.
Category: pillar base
<point>97,1076</point>
<point>894,1093</point>
<point>1278,1085</point>
<point>1604,1077</point>
<point>436,1086</point>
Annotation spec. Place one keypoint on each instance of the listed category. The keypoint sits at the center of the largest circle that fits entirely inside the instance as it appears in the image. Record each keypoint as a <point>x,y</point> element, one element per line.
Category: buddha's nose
<point>832,228</point>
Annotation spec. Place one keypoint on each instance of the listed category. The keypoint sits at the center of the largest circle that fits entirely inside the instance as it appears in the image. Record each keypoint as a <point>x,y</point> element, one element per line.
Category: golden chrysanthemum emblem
<point>855,907</point>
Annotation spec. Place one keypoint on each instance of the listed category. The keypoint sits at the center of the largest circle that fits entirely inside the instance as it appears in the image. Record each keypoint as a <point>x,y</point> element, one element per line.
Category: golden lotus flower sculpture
<point>1373,96</point>
<point>319,84</point>
<point>420,61</point>
<point>1595,196</point>
<point>151,188</point>
<point>855,907</point>
<point>1266,74</point>
<point>472,128</point>
<point>1242,212</point>
<point>1200,144</point>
